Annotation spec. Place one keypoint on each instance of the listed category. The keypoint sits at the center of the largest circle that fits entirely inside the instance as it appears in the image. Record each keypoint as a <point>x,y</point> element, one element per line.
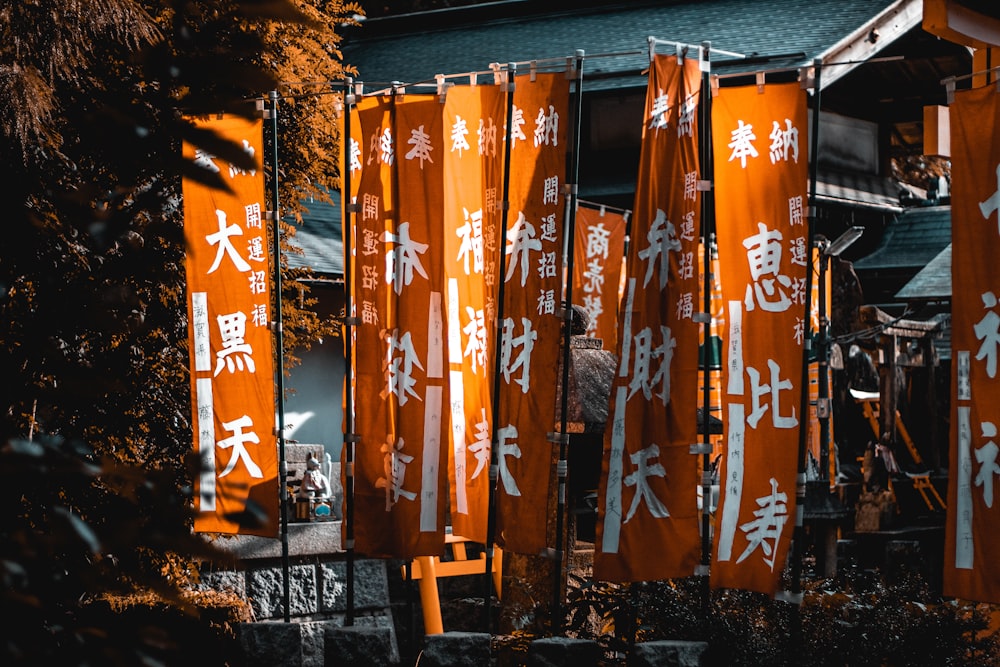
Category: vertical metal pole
<point>708,239</point>
<point>798,541</point>
<point>569,243</point>
<point>491,526</point>
<point>823,358</point>
<point>348,208</point>
<point>279,355</point>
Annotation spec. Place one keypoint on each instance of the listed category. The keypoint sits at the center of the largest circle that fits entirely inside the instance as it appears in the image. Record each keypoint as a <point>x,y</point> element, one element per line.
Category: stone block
<point>668,654</point>
<point>270,644</point>
<point>563,652</point>
<point>224,581</point>
<point>371,585</point>
<point>265,588</point>
<point>358,646</point>
<point>456,649</point>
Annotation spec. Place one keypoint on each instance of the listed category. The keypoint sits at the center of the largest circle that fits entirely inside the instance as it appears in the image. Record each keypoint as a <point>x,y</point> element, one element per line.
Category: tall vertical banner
<point>647,502</point>
<point>473,155</point>
<point>532,333</point>
<point>599,249</point>
<point>972,547</point>
<point>761,176</point>
<point>229,341</point>
<point>401,412</point>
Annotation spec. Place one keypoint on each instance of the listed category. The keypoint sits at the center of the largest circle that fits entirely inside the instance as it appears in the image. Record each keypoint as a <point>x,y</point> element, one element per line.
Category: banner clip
<point>353,207</point>
<point>807,78</point>
<point>562,468</point>
<point>276,327</point>
<point>349,544</point>
<point>760,82</point>
<point>565,314</point>
<point>551,554</point>
<point>352,321</point>
<point>705,59</point>
<point>702,318</point>
<point>352,437</point>
<point>442,88</point>
<point>703,185</point>
<point>558,438</point>
<point>700,448</point>
<point>715,85</point>
<point>701,570</point>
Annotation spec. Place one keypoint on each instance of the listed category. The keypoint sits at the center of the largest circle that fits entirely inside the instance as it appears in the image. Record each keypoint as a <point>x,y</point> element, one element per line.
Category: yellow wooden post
<point>430,602</point>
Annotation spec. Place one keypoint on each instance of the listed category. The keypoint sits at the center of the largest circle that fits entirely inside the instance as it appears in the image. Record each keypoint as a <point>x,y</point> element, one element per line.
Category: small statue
<point>314,483</point>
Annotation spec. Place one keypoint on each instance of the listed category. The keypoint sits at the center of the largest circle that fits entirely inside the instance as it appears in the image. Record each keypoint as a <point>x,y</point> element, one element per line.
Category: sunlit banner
<point>647,502</point>
<point>400,485</point>
<point>472,158</point>
<point>230,343</point>
<point>972,549</point>
<point>531,328</point>
<point>599,252</point>
<point>761,173</point>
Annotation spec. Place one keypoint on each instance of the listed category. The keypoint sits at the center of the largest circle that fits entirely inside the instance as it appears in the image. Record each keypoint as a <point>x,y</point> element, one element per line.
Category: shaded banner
<point>599,249</point>
<point>972,546</point>
<point>531,327</point>
<point>760,179</point>
<point>230,345</point>
<point>474,121</point>
<point>647,500</point>
<point>400,365</point>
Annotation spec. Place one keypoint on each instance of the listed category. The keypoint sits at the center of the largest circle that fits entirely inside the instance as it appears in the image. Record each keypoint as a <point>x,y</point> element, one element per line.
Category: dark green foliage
<point>80,530</point>
<point>860,620</point>
<point>95,465</point>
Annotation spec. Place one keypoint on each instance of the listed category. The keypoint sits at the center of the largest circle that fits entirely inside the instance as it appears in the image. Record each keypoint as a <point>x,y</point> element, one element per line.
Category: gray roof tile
<point>320,238</point>
<point>911,240</point>
<point>605,34</point>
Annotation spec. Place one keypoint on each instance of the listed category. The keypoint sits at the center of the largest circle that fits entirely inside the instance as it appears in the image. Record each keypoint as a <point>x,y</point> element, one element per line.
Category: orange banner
<point>532,332</point>
<point>474,120</point>
<point>972,547</point>
<point>400,467</point>
<point>599,250</point>
<point>647,504</point>
<point>761,172</point>
<point>231,351</point>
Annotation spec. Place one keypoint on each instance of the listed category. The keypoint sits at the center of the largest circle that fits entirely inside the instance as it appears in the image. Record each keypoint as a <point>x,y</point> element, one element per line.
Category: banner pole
<point>708,239</point>
<point>491,527</point>
<point>569,244</point>
<point>798,541</point>
<point>279,374</point>
<point>350,439</point>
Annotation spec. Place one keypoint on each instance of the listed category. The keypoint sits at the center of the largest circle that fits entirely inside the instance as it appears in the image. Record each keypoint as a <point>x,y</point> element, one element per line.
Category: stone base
<point>358,646</point>
<point>456,649</point>
<point>668,654</point>
<point>563,652</point>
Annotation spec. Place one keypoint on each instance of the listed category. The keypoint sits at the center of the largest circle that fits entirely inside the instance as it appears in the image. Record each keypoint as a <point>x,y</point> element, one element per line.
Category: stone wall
<point>254,568</point>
